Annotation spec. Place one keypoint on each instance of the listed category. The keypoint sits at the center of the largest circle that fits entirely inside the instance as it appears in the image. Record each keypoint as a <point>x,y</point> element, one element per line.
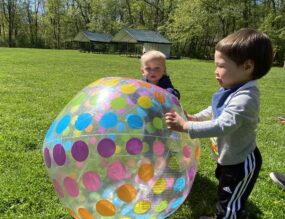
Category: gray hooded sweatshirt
<point>235,128</point>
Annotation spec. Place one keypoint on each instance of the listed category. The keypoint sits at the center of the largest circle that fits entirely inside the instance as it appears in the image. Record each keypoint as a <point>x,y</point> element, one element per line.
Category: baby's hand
<point>175,122</point>
<point>190,117</point>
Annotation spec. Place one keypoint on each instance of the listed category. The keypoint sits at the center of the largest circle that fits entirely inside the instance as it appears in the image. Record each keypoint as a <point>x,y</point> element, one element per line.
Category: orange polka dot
<point>146,172</point>
<point>197,153</point>
<point>105,208</point>
<point>160,97</point>
<point>127,192</point>
<point>72,213</point>
<point>85,214</point>
<point>89,128</point>
<point>145,84</point>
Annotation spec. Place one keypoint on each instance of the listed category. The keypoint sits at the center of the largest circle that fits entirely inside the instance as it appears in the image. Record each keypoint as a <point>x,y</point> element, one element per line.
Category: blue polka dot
<point>176,203</point>
<point>67,145</point>
<point>141,112</point>
<point>108,120</point>
<point>121,127</point>
<point>156,106</point>
<point>179,185</point>
<point>62,124</point>
<point>83,121</point>
<point>112,136</point>
<point>127,209</point>
<point>134,121</point>
<point>107,193</point>
<point>118,202</point>
<point>49,132</point>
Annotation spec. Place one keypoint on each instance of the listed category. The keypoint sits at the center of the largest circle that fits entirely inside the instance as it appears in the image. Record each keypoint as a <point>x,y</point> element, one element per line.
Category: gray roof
<point>86,36</point>
<point>129,35</point>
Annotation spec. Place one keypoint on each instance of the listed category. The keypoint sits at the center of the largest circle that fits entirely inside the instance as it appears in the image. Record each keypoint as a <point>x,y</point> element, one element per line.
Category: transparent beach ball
<point>110,155</point>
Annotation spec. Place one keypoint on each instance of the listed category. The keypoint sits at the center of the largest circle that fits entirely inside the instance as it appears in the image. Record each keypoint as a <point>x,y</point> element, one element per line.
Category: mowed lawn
<point>35,85</point>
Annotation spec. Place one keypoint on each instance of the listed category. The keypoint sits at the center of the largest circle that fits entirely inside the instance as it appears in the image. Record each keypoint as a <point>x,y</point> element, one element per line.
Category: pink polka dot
<point>91,181</point>
<point>186,151</point>
<point>158,148</point>
<point>71,187</point>
<point>58,188</point>
<point>92,140</point>
<point>116,171</point>
<point>169,182</point>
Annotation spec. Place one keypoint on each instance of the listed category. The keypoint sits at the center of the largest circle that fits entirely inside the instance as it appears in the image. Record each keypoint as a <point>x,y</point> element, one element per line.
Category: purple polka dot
<point>106,147</point>
<point>47,157</point>
<point>79,151</point>
<point>91,181</point>
<point>58,188</point>
<point>71,187</point>
<point>59,154</point>
<point>175,101</point>
<point>134,146</point>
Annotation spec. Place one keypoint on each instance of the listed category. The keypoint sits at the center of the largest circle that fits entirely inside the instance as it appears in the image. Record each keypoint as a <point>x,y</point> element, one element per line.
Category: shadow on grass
<point>202,200</point>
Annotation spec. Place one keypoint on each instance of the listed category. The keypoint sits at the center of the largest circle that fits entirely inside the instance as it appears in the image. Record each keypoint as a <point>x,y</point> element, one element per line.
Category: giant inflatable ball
<point>110,155</point>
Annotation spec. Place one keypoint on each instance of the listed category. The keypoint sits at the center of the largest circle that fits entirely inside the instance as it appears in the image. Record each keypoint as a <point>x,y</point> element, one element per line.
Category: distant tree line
<point>194,26</point>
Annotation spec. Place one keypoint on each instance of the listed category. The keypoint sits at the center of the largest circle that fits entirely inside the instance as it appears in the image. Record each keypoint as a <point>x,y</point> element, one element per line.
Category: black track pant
<point>235,185</point>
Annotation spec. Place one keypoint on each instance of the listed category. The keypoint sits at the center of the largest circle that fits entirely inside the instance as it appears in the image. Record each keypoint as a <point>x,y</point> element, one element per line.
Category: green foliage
<point>194,27</point>
<point>37,84</point>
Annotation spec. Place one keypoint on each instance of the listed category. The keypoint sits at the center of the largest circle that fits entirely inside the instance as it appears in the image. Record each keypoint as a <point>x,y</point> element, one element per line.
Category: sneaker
<point>278,178</point>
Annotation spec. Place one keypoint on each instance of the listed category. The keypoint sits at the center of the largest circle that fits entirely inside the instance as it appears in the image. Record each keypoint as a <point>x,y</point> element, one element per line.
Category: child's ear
<point>248,66</point>
<point>142,71</point>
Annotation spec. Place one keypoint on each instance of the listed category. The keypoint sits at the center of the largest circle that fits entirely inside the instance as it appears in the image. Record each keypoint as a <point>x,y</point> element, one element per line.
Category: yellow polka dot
<point>72,213</point>
<point>111,82</point>
<point>146,172</point>
<point>105,208</point>
<point>127,192</point>
<point>144,102</point>
<point>74,109</point>
<point>85,214</point>
<point>128,88</point>
<point>118,149</point>
<point>159,186</point>
<point>142,207</point>
<point>73,120</point>
<point>94,83</point>
<point>76,133</point>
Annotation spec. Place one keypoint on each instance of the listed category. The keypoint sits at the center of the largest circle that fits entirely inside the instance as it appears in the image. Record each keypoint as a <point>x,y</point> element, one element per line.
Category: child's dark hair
<point>248,44</point>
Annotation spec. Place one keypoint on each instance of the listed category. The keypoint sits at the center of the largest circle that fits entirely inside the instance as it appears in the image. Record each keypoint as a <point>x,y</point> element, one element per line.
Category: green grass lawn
<point>35,85</point>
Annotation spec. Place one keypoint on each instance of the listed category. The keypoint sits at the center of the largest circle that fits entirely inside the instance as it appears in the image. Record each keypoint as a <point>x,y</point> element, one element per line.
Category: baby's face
<point>153,70</point>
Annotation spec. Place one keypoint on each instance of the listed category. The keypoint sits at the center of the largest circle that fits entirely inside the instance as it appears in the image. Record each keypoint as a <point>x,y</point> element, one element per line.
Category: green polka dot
<point>78,100</point>
<point>150,128</point>
<point>93,99</point>
<point>157,123</point>
<point>118,103</point>
<point>161,206</point>
<point>173,163</point>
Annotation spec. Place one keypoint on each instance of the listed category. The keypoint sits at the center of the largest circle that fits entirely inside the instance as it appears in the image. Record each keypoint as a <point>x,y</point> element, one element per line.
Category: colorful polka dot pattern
<point>110,154</point>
